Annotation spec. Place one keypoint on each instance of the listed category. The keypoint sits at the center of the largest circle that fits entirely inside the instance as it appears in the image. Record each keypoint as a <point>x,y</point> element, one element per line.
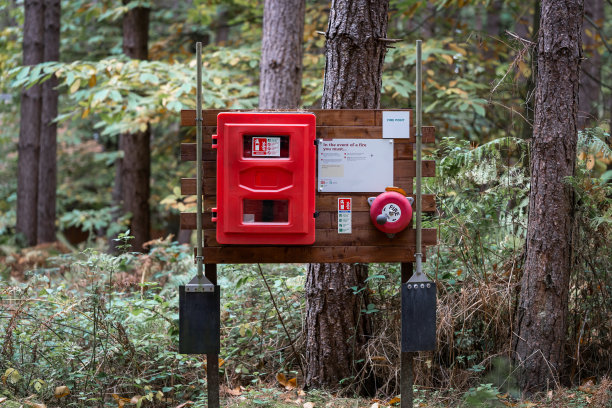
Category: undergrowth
<point>84,328</point>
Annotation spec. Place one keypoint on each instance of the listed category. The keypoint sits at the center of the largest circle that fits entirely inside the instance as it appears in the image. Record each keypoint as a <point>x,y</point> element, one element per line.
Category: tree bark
<point>29,130</point>
<point>47,168</point>
<point>281,54</point>
<point>135,175</point>
<point>354,54</point>
<point>590,76</point>
<point>336,329</point>
<point>135,167</point>
<point>542,314</point>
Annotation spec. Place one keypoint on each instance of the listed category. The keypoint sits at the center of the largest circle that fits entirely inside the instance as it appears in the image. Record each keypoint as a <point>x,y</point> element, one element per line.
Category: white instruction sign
<point>345,219</point>
<point>355,165</point>
<point>266,146</point>
<point>396,124</point>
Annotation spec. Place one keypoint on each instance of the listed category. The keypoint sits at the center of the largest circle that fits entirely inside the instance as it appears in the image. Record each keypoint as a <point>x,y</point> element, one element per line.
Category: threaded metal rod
<point>419,141</point>
<point>199,170</point>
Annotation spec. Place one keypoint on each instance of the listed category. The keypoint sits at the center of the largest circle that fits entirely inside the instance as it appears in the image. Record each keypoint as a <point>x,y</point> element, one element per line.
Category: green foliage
<point>482,396</point>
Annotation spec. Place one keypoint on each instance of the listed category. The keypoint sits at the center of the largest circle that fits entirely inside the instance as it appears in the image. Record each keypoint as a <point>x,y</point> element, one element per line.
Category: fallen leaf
<point>135,399</point>
<point>280,377</point>
<point>394,400</point>
<point>291,384</point>
<point>37,384</point>
<point>11,375</point>
<point>308,405</point>
<point>184,404</point>
<point>301,393</point>
<point>375,405</point>
<point>63,391</point>
<point>34,405</point>
<point>3,399</point>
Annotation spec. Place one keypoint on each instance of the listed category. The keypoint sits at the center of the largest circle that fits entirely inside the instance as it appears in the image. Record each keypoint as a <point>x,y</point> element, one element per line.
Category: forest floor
<point>588,395</point>
<point>101,330</point>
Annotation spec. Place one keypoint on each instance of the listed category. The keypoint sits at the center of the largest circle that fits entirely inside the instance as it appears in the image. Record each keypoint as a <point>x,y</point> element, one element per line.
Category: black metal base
<point>418,316</point>
<point>199,322</point>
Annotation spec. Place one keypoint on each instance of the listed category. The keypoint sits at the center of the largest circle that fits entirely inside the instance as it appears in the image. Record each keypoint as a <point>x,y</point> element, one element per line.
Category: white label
<point>355,165</point>
<point>266,146</point>
<point>345,218</point>
<point>396,124</point>
<point>392,211</point>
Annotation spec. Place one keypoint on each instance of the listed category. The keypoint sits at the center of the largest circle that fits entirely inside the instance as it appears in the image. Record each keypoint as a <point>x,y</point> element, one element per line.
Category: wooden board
<point>327,219</point>
<point>307,254</point>
<point>325,117</point>
<point>329,201</point>
<point>188,152</point>
<point>364,244</point>
<point>343,132</point>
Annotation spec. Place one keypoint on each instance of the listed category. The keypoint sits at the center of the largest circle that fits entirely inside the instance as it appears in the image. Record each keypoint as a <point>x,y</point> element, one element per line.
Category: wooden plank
<point>401,169</point>
<point>340,132</point>
<point>339,254</point>
<point>325,117</point>
<point>330,202</point>
<point>327,219</point>
<point>403,173</point>
<point>359,237</point>
<point>402,149</point>
<point>210,186</point>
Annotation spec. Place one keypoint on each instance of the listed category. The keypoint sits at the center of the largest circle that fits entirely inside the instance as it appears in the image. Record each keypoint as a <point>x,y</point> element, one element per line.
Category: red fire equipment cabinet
<point>265,178</point>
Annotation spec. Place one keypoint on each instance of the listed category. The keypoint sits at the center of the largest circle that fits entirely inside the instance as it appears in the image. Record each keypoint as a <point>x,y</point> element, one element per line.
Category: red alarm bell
<point>391,211</point>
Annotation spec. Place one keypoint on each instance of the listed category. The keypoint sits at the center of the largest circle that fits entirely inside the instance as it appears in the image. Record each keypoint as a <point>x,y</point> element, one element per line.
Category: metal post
<point>406,358</point>
<point>199,175</point>
<point>419,139</point>
<point>212,360</point>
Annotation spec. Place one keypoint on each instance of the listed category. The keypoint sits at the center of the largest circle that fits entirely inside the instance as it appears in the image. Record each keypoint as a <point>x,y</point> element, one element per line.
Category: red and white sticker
<point>345,219</point>
<point>266,146</point>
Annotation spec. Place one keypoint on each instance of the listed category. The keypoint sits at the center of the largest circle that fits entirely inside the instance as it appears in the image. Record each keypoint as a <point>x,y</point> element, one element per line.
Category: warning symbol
<point>345,222</point>
<point>266,146</point>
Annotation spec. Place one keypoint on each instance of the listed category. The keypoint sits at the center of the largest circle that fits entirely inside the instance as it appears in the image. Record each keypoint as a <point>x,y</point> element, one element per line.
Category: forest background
<point>109,330</point>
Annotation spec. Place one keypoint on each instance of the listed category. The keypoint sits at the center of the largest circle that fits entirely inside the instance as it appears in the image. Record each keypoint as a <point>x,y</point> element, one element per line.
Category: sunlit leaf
<point>61,391</point>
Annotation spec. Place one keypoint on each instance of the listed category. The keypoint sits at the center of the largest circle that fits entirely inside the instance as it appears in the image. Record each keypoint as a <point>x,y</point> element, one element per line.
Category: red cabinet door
<point>265,178</point>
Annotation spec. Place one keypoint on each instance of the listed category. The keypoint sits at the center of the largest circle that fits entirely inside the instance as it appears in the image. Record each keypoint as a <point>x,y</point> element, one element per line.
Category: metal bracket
<point>199,285</point>
<point>418,276</point>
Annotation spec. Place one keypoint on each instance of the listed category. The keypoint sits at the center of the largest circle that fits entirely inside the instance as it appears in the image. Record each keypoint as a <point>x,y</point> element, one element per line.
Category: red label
<point>260,146</point>
<point>344,204</point>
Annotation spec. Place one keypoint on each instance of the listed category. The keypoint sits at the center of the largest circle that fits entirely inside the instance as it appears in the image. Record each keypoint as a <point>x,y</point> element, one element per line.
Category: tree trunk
<point>354,54</point>
<point>336,330</point>
<point>135,175</point>
<point>281,54</point>
<point>47,168</point>
<point>590,76</point>
<point>29,130</point>
<point>541,320</point>
<point>493,28</point>
<point>135,167</point>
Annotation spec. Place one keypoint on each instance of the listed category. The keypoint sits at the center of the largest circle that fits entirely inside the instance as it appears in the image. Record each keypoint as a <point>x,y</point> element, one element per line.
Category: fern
<point>593,141</point>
